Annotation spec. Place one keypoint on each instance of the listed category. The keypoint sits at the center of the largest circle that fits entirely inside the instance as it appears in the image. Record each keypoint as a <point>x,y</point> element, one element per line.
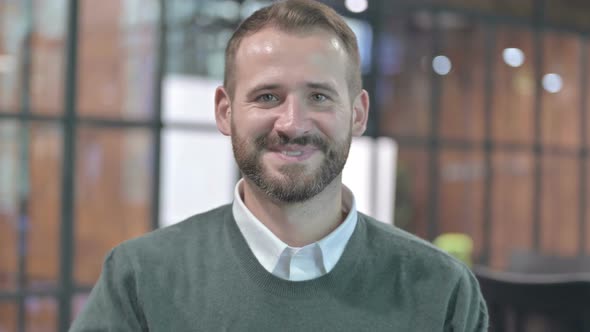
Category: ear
<point>223,111</point>
<point>360,113</point>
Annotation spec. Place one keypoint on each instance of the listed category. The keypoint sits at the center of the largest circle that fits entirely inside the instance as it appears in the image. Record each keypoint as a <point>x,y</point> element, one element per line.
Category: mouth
<point>293,153</point>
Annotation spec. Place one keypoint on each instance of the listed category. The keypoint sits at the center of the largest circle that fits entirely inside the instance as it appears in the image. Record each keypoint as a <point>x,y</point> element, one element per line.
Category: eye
<point>267,98</point>
<point>318,97</point>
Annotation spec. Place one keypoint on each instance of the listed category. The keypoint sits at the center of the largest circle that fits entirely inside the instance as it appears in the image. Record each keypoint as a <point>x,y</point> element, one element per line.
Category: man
<point>291,253</point>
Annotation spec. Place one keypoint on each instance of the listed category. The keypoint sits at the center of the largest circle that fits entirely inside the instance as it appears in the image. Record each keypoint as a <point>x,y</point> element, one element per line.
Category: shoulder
<point>441,277</point>
<point>185,235</point>
<point>409,250</point>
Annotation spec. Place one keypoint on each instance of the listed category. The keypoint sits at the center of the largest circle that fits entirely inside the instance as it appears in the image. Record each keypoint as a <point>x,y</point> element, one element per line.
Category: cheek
<point>248,127</point>
<point>336,127</point>
<point>247,121</point>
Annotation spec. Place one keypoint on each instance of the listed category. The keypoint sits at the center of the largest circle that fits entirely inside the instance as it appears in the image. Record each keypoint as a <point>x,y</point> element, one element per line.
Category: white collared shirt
<point>293,263</point>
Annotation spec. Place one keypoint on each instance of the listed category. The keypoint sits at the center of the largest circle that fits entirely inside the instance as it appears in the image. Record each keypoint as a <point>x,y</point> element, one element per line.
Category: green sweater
<point>200,275</point>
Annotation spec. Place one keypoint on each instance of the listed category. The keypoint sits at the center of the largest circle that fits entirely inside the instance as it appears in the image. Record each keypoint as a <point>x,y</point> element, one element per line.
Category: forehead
<point>268,54</point>
<point>271,35</point>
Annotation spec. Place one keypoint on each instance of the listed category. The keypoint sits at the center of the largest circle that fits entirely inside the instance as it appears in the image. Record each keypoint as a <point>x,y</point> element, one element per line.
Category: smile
<point>293,153</point>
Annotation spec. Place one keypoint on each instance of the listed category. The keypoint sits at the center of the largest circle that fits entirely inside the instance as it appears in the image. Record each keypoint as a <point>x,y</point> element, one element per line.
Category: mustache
<point>265,141</point>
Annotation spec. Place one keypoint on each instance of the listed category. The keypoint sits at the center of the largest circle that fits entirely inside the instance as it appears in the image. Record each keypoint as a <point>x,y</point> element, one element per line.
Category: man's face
<point>292,117</point>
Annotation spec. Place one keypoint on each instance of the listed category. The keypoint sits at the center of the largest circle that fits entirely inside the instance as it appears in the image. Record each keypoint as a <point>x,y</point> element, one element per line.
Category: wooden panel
<point>116,62</point>
<point>100,68</point>
<point>8,314</point>
<point>512,199</point>
<point>559,205</point>
<point>460,207</point>
<point>43,235</point>
<point>9,181</point>
<point>411,198</point>
<point>462,100</point>
<point>404,89</point>
<point>41,314</point>
<point>586,95</point>
<point>113,194</point>
<point>48,46</point>
<point>560,115</point>
<point>514,89</point>
<point>587,206</point>
<point>31,202</point>
<point>8,253</point>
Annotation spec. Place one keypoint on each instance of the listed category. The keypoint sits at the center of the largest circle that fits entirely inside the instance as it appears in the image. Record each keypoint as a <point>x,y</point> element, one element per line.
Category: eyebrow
<point>324,86</point>
<point>262,87</point>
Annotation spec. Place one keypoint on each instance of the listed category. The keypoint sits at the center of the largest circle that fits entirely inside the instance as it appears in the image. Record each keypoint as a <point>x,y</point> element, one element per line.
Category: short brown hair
<point>296,16</point>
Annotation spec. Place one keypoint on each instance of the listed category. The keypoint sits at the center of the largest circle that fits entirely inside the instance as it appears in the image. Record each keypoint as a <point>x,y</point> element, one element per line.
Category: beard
<point>297,182</point>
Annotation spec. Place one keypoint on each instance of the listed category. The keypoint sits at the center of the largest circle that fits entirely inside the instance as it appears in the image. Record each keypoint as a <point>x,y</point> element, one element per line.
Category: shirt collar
<point>268,248</point>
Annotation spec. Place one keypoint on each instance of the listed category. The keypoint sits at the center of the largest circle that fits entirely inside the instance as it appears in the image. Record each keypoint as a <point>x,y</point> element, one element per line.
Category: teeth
<point>292,153</point>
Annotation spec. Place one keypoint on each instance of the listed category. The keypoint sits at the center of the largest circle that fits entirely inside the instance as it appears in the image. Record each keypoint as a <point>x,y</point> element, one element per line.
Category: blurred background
<point>480,108</point>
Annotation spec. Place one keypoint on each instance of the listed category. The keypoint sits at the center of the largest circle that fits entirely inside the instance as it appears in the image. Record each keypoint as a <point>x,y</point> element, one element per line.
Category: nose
<point>293,120</point>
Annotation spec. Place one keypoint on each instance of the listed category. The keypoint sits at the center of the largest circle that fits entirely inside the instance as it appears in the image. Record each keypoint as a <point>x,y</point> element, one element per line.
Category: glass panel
<point>8,314</point>
<point>43,235</point>
<point>78,302</point>
<point>514,86</point>
<point>48,43</point>
<point>184,175</point>
<point>113,194</point>
<point>117,50</point>
<point>405,75</point>
<point>462,176</point>
<point>30,180</point>
<point>512,199</point>
<point>560,205</point>
<point>561,95</point>
<point>41,314</point>
<point>9,211</point>
<point>12,34</point>
<point>411,191</point>
<point>198,32</point>
<point>462,99</point>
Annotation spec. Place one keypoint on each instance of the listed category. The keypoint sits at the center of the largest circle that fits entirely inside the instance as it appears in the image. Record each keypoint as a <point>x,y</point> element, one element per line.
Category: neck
<point>297,224</point>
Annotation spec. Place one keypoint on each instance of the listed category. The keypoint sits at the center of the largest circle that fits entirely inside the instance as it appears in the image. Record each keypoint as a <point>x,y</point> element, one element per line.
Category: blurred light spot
<point>552,83</point>
<point>442,65</point>
<point>356,6</point>
<point>514,57</point>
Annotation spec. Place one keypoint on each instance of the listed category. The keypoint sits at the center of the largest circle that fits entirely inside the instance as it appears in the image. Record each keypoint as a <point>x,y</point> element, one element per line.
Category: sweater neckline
<point>340,276</point>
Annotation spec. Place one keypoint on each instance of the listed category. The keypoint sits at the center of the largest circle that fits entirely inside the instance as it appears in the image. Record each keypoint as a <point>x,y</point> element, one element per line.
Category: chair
<point>534,262</point>
<point>522,302</point>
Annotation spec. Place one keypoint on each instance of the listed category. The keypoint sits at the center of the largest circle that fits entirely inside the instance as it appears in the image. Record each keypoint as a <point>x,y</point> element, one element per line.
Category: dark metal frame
<point>23,200</point>
<point>68,168</point>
